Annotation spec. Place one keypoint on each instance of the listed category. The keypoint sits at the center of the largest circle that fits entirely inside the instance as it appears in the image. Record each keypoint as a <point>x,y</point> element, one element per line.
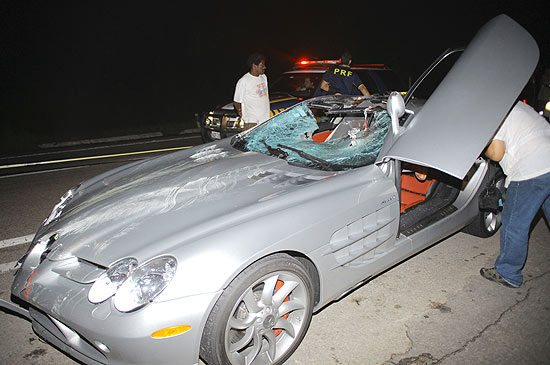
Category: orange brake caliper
<point>277,287</point>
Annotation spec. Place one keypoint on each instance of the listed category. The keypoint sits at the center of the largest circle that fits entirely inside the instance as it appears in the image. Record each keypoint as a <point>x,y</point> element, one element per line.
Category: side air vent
<point>361,241</point>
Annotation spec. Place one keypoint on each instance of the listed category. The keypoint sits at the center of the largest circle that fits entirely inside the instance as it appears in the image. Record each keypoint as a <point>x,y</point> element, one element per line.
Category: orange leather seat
<point>321,137</point>
<point>413,191</point>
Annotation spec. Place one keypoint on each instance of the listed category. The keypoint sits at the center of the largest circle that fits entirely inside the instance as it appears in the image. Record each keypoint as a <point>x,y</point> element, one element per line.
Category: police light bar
<point>333,62</point>
<point>308,62</point>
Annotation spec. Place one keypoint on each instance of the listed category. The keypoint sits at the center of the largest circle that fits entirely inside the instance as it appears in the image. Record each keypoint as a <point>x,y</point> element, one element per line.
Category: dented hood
<point>142,209</point>
<point>463,113</point>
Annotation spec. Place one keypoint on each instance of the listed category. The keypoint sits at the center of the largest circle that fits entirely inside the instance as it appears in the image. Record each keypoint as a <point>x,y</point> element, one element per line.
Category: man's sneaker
<point>493,275</point>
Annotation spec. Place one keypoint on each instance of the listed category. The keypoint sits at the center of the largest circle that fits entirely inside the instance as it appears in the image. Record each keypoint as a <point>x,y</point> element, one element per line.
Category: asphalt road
<point>433,308</point>
<point>53,156</point>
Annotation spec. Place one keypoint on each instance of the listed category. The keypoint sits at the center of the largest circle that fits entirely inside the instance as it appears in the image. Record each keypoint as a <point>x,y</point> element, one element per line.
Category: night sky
<point>92,65</point>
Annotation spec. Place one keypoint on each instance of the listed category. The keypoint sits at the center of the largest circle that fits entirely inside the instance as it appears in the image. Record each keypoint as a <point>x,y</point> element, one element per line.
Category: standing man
<point>340,79</point>
<point>251,98</point>
<point>522,147</point>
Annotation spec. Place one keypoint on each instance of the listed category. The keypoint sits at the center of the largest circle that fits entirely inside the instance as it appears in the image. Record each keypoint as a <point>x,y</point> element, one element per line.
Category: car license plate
<point>215,135</point>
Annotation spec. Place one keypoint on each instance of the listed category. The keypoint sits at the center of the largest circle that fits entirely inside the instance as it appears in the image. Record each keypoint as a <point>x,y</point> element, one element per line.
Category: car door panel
<point>365,233</point>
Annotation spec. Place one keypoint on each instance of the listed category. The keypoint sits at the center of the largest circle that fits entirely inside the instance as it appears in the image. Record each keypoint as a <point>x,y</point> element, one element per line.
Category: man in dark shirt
<point>340,79</point>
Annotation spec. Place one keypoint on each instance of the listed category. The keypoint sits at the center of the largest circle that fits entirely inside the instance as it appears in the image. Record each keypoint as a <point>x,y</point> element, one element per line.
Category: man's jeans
<point>523,200</point>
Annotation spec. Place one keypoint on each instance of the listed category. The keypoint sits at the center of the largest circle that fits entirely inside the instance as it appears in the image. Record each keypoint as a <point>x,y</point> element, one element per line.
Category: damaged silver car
<point>226,250</point>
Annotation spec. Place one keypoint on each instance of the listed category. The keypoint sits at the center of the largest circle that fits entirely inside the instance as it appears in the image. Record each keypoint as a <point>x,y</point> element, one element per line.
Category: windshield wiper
<point>327,165</point>
<point>239,143</point>
<point>277,152</point>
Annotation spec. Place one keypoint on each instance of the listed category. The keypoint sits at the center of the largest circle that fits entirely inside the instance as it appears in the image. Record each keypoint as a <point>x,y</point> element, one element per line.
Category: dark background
<point>86,69</point>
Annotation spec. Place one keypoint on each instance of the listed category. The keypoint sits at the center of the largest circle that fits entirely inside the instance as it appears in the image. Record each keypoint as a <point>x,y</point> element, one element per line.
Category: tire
<point>262,316</point>
<point>204,135</point>
<point>487,224</point>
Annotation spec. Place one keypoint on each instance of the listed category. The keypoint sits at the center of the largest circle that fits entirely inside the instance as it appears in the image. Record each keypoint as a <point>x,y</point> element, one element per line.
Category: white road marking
<point>16,241</point>
<point>7,267</point>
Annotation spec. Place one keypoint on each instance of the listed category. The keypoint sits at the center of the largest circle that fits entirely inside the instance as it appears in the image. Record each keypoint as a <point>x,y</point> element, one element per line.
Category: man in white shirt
<point>251,98</point>
<point>522,147</point>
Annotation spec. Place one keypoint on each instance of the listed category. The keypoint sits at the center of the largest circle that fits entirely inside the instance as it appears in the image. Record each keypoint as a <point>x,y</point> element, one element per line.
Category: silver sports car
<point>225,251</point>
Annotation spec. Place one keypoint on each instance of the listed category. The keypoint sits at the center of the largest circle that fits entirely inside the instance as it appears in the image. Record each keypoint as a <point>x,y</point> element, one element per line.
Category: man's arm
<point>364,90</point>
<point>495,150</point>
<point>238,108</point>
<point>239,95</point>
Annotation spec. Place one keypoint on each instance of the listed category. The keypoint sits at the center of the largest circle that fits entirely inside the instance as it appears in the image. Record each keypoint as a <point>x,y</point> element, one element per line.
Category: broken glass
<point>288,136</point>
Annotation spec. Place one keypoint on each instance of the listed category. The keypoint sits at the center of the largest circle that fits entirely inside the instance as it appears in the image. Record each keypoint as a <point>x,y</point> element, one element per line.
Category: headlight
<point>58,209</point>
<point>547,107</point>
<point>107,284</point>
<point>209,120</point>
<point>145,283</point>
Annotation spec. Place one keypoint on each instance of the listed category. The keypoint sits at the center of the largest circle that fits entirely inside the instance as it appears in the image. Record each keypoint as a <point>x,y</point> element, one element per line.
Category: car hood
<point>197,191</point>
<point>460,117</point>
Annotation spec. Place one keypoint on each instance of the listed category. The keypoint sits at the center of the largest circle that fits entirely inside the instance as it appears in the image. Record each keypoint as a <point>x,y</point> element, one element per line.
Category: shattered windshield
<point>329,133</point>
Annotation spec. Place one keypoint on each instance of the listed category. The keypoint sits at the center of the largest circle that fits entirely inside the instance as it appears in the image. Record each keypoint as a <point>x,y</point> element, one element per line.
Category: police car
<point>300,83</point>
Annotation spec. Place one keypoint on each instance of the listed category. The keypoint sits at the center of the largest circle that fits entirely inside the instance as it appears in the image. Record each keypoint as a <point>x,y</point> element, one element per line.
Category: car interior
<point>425,195</point>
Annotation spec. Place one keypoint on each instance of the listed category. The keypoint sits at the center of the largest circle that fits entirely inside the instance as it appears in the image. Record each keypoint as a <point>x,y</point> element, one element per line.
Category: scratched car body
<point>225,250</point>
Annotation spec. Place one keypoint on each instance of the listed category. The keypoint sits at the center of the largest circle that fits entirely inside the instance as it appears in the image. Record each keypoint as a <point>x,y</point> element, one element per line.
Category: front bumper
<point>98,333</point>
<point>218,125</point>
<point>102,336</point>
<point>222,126</point>
<point>213,133</point>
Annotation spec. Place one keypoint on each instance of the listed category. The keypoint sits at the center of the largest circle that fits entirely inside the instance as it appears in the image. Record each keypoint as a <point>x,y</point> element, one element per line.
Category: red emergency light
<point>333,62</point>
<point>308,62</point>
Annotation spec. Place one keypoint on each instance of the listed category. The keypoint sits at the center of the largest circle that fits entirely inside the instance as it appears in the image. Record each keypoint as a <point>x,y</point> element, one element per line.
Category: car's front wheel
<point>205,135</point>
<point>262,316</point>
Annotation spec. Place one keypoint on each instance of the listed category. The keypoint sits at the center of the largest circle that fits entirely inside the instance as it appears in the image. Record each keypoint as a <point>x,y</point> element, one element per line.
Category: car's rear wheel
<point>487,223</point>
<point>262,316</point>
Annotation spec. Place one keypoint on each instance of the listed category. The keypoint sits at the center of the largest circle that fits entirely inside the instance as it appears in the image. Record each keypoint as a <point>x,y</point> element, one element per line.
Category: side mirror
<point>396,109</point>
